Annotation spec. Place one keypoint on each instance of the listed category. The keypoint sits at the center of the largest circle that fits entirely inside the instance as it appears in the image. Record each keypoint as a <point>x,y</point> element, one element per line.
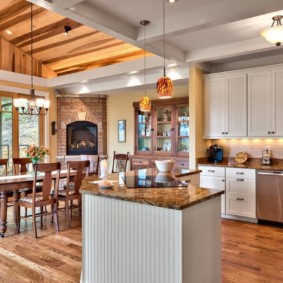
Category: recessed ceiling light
<point>133,72</point>
<point>172,65</point>
<point>8,31</point>
<point>85,81</point>
<point>172,1</point>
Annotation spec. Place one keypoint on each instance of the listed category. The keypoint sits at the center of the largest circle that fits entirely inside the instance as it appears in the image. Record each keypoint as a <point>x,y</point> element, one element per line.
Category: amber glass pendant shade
<point>164,87</point>
<point>145,104</point>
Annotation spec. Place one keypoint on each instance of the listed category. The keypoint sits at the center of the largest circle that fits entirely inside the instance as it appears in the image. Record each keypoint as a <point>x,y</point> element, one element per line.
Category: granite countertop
<point>251,163</point>
<point>168,197</point>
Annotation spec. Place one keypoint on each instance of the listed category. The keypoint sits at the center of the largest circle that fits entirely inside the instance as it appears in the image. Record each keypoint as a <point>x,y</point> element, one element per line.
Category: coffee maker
<point>215,153</point>
<point>266,156</point>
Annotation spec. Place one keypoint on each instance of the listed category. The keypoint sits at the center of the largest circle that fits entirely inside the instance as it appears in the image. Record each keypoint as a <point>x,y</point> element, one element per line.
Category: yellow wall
<point>120,107</point>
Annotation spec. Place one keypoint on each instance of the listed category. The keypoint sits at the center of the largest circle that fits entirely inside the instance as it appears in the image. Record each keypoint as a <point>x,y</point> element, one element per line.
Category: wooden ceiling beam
<point>45,32</point>
<point>13,10</point>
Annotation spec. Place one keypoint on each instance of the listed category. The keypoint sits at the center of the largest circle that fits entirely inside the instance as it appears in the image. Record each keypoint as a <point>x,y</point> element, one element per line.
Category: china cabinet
<point>162,133</point>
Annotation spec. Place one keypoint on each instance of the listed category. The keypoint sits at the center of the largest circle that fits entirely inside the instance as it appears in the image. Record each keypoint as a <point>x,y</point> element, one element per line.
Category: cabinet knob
<point>273,132</point>
<point>269,133</point>
<point>223,133</point>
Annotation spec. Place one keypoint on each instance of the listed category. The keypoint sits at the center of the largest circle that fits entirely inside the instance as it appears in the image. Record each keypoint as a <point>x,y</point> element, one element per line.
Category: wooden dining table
<point>13,183</point>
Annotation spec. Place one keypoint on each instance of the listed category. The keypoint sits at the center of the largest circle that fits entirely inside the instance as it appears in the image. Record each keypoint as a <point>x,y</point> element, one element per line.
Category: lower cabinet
<point>241,192</point>
<point>239,185</point>
<point>213,178</point>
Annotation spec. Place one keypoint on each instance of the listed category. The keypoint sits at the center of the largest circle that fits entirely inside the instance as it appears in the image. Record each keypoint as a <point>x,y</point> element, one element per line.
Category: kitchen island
<point>150,228</point>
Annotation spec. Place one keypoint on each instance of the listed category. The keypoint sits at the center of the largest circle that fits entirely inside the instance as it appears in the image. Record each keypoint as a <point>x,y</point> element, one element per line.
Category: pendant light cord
<point>144,54</point>
<point>164,37</point>
<point>31,46</point>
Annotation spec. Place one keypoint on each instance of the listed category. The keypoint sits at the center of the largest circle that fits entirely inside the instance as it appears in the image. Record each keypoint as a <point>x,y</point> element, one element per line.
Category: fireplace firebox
<point>82,138</point>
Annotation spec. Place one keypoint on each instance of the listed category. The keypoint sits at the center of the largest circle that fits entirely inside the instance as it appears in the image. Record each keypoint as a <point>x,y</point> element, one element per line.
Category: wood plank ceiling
<point>82,49</point>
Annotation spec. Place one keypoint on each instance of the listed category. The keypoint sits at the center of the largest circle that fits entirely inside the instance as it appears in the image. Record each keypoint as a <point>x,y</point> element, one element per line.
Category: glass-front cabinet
<point>165,130</point>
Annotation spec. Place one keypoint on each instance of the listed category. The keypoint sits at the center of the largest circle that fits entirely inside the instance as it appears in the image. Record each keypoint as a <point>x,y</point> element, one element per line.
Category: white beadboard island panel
<point>128,242</point>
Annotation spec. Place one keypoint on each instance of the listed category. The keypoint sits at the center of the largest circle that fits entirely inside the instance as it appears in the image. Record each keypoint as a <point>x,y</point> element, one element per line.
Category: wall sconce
<point>53,128</point>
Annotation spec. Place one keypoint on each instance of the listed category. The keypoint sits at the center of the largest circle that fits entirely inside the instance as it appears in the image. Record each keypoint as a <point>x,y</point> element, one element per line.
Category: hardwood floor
<point>251,253</point>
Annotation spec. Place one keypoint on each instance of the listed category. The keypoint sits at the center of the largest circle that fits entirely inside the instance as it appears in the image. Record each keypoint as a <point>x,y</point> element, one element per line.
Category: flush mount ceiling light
<point>145,103</point>
<point>31,106</point>
<point>172,1</point>
<point>67,29</point>
<point>274,34</point>
<point>164,85</point>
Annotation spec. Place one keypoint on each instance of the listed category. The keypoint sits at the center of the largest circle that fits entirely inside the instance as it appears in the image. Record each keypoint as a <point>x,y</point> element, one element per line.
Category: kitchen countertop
<point>168,197</point>
<point>251,163</point>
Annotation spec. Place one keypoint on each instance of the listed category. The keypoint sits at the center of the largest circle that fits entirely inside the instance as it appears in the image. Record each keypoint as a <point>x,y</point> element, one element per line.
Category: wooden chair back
<point>4,162</point>
<point>47,169</point>
<point>20,164</point>
<point>82,171</point>
<point>120,161</point>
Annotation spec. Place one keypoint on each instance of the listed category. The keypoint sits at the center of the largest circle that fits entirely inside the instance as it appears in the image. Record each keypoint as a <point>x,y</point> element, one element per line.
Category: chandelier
<point>32,106</point>
<point>274,34</point>
<point>164,85</point>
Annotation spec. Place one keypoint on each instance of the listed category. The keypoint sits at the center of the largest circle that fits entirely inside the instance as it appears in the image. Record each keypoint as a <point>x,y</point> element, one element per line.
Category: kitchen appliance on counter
<point>266,156</point>
<point>215,153</point>
<point>269,195</point>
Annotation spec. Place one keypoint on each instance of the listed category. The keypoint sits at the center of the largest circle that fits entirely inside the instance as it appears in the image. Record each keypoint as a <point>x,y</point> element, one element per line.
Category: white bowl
<point>164,165</point>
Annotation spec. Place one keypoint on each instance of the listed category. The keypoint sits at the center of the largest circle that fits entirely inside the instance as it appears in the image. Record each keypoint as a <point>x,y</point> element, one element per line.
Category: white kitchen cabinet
<point>213,178</point>
<point>225,105</point>
<point>265,100</point>
<point>241,192</point>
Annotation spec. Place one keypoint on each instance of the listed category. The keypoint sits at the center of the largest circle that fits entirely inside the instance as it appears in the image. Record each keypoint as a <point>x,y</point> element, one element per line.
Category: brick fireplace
<point>85,111</point>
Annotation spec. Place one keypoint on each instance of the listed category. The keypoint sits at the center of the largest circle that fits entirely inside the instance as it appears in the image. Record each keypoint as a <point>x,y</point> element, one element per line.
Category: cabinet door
<point>164,130</point>
<point>261,104</point>
<point>278,90</point>
<point>182,130</point>
<point>240,197</point>
<point>215,108</point>
<point>143,132</point>
<point>217,183</point>
<point>237,106</point>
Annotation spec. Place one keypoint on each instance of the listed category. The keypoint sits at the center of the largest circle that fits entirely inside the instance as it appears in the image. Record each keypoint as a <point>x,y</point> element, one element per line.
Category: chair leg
<point>34,222</point>
<point>18,218</point>
<point>55,215</point>
<point>67,213</point>
<point>71,209</point>
<point>41,216</point>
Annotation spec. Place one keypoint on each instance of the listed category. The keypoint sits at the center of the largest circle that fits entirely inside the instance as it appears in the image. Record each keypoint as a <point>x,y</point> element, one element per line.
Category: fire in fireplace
<point>82,138</point>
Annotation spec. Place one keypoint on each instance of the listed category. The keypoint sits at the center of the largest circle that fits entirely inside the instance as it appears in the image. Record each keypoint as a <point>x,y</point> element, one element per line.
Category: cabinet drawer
<point>240,206</point>
<point>243,186</point>
<point>240,173</point>
<point>212,171</point>
<point>182,164</point>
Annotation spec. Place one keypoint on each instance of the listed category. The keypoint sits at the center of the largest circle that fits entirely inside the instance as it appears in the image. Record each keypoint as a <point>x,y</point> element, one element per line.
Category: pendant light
<point>31,106</point>
<point>274,34</point>
<point>145,102</point>
<point>164,85</point>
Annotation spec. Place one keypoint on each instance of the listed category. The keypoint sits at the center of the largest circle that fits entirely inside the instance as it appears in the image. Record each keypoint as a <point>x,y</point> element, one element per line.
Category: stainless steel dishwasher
<point>269,195</point>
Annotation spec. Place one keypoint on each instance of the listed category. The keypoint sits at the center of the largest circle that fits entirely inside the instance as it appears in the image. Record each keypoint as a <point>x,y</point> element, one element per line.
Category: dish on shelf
<point>241,157</point>
<point>167,146</point>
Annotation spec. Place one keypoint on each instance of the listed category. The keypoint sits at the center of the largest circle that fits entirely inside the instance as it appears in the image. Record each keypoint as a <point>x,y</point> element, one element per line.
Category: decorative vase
<point>35,160</point>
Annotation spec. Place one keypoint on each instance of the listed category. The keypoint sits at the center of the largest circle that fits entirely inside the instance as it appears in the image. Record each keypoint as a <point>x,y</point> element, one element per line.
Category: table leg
<point>3,213</point>
<point>16,197</point>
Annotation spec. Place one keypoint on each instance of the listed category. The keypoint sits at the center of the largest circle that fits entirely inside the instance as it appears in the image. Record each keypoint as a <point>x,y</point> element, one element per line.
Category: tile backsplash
<point>253,147</point>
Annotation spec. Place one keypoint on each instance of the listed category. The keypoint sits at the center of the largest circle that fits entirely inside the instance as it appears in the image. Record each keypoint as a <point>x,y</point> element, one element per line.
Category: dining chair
<point>120,161</point>
<point>20,164</point>
<point>44,198</point>
<point>4,162</point>
<point>73,183</point>
<point>94,162</point>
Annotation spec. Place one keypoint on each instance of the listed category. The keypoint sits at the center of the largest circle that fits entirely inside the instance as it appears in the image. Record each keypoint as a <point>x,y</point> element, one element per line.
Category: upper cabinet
<point>245,103</point>
<point>265,94</point>
<point>165,130</point>
<point>225,106</point>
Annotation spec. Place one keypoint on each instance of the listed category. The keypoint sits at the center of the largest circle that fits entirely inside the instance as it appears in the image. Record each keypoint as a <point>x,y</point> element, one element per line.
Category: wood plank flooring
<point>251,253</point>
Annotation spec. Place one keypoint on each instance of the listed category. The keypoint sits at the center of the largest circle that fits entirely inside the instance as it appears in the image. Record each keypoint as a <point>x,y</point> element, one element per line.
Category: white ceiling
<point>197,31</point>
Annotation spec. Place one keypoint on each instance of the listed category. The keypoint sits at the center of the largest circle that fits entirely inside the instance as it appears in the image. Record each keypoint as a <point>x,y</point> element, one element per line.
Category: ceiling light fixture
<point>145,103</point>
<point>172,1</point>
<point>8,31</point>
<point>274,34</point>
<point>32,106</point>
<point>164,85</point>
<point>67,29</point>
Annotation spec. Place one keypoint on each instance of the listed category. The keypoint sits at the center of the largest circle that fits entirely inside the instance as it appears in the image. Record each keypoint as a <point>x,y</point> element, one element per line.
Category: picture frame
<point>121,130</point>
